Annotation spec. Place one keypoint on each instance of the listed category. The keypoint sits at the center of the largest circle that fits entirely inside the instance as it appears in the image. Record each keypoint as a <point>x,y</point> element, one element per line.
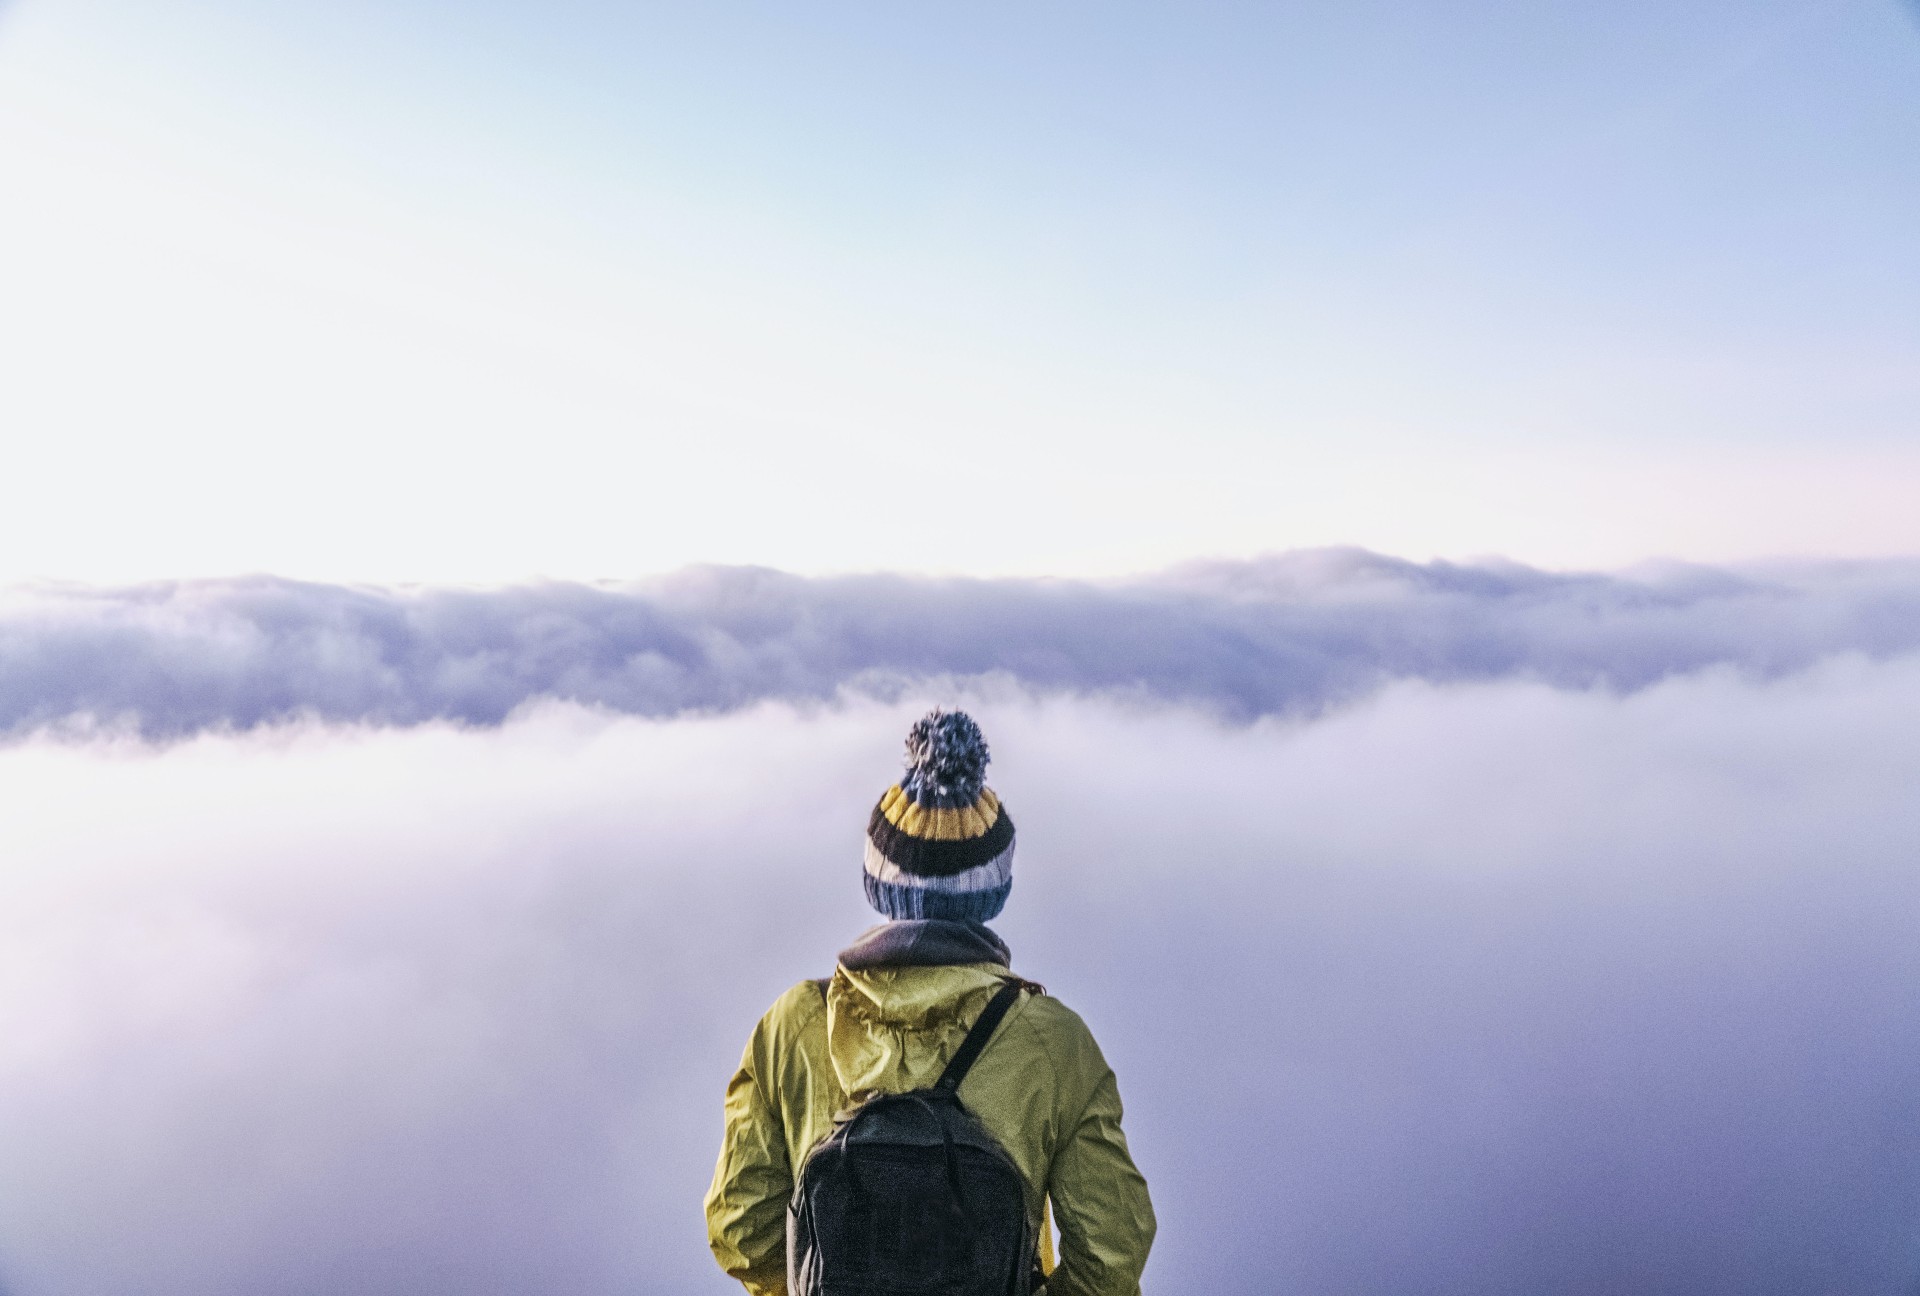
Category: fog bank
<point>1290,635</point>
<point>1496,988</point>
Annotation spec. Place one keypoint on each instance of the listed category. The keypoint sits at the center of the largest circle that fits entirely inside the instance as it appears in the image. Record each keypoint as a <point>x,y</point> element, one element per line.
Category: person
<point>939,865</point>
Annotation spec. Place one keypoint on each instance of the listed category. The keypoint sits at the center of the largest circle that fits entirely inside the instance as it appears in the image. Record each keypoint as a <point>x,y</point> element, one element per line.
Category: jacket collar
<point>925,942</point>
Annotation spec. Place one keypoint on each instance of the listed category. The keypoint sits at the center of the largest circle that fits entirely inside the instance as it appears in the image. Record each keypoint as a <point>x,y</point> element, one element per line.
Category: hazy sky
<point>420,291</point>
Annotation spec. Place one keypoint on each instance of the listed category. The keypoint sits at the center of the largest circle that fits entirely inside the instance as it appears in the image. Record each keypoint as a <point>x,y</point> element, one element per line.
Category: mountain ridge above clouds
<point>1291,634</point>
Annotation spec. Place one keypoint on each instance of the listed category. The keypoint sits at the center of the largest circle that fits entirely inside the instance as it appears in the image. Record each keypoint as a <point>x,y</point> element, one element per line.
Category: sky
<point>412,292</point>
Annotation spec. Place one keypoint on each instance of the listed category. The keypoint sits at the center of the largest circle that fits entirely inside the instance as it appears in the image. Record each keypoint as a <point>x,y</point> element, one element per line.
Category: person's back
<point>895,1011</point>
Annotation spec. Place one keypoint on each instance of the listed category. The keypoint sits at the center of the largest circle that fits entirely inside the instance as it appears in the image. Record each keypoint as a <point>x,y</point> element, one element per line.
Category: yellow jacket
<point>1041,1088</point>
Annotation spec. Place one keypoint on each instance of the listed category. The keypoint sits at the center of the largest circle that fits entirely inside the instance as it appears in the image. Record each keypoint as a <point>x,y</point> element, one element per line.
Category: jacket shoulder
<point>792,1030</point>
<point>1047,1014</point>
<point>795,1010</point>
<point>1060,1033</point>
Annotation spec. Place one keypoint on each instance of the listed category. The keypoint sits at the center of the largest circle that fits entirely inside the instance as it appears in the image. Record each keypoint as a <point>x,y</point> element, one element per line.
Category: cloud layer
<point>1289,635</point>
<point>1485,988</point>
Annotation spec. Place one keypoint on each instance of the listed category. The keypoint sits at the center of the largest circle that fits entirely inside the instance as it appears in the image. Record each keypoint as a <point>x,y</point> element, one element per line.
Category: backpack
<point>911,1196</point>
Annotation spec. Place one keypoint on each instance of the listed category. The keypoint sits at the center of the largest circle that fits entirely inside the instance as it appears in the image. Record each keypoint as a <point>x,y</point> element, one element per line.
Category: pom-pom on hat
<point>940,844</point>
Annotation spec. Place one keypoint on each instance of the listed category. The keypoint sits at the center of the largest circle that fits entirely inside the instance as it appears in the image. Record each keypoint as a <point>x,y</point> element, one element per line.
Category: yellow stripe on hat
<point>961,824</point>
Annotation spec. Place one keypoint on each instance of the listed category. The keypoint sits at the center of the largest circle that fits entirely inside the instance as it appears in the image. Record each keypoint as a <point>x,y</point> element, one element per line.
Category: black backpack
<point>911,1196</point>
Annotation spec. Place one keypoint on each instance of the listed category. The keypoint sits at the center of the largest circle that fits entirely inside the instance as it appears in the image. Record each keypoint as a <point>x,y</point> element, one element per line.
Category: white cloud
<point>1488,987</point>
<point>1288,635</point>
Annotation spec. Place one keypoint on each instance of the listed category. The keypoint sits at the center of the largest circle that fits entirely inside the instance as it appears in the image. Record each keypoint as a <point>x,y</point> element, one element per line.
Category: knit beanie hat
<point>939,844</point>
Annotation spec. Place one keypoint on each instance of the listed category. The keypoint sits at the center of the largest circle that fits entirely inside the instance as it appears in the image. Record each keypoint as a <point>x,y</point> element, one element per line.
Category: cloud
<point>1289,635</point>
<point>1493,987</point>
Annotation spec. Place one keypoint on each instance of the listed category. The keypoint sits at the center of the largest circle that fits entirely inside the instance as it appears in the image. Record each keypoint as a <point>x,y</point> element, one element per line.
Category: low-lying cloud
<point>1290,635</point>
<point>1493,988</point>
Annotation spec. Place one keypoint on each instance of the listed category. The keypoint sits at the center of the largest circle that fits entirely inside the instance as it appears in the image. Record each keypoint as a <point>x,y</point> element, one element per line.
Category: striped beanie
<point>939,844</point>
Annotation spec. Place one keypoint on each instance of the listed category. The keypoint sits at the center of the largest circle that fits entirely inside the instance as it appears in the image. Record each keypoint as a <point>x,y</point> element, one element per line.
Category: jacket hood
<point>902,998</point>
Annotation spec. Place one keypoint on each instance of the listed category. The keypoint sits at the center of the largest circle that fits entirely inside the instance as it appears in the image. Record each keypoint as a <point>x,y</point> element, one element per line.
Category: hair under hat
<point>939,843</point>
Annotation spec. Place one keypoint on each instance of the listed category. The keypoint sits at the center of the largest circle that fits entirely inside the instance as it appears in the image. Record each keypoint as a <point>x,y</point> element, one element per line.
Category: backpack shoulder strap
<point>977,1037</point>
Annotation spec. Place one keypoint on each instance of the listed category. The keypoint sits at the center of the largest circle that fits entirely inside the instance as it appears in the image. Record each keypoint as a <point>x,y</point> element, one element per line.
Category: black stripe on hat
<point>924,857</point>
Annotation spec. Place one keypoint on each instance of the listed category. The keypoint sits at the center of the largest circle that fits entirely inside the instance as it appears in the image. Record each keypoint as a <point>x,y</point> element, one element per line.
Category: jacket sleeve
<point>1100,1202</point>
<point>747,1203</point>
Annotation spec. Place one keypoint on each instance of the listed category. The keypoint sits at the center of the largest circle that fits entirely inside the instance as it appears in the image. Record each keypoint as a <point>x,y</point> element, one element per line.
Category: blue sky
<point>414,291</point>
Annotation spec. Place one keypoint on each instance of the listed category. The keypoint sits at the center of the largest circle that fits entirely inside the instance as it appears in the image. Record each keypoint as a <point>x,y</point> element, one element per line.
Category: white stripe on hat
<point>996,872</point>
